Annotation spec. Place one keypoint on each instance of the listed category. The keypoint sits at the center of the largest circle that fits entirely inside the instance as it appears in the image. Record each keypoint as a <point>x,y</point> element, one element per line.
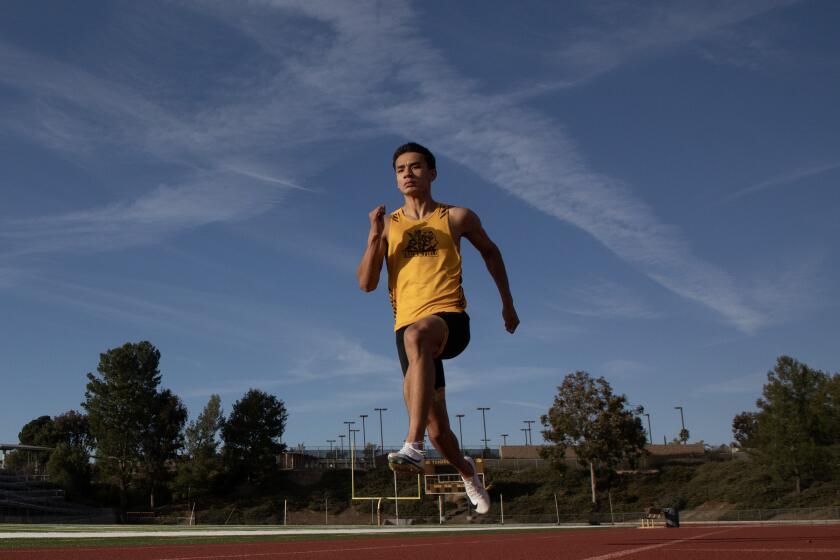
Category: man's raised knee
<point>418,337</point>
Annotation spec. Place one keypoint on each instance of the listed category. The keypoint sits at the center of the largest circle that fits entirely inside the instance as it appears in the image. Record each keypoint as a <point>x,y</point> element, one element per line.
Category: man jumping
<point>421,244</point>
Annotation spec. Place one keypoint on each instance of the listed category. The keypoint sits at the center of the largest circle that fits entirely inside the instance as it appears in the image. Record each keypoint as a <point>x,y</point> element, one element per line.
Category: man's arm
<point>377,244</point>
<point>467,224</point>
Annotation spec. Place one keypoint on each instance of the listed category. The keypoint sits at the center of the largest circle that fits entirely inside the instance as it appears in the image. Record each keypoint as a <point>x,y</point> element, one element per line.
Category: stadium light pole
<point>353,433</point>
<point>682,423</point>
<point>364,436</point>
<point>460,432</point>
<point>484,409</point>
<point>682,419</point>
<point>381,439</point>
<point>350,425</point>
<point>650,433</point>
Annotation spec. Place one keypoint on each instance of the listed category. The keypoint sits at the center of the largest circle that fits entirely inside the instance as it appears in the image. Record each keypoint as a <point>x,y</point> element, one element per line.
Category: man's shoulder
<point>460,214</point>
<point>456,211</point>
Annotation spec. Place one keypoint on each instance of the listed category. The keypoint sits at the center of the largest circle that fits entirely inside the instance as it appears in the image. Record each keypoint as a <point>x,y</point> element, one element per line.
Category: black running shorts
<point>459,337</point>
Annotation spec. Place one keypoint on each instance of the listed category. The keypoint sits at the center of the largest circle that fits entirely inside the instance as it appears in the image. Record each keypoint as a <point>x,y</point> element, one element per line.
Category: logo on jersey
<point>421,243</point>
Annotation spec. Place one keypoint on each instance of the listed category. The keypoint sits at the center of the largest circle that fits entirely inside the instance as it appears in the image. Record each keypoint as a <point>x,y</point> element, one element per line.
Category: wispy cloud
<point>267,178</point>
<point>339,357</point>
<point>621,32</point>
<point>537,406</point>
<point>309,353</point>
<point>549,330</point>
<point>788,292</point>
<point>625,368</point>
<point>607,35</point>
<point>745,384</point>
<point>789,178</point>
<point>357,74</point>
<point>211,157</point>
<point>464,377</point>
<point>343,400</point>
<point>207,198</point>
<point>606,299</point>
<point>10,277</point>
<point>742,48</point>
<point>171,309</point>
<point>519,150</point>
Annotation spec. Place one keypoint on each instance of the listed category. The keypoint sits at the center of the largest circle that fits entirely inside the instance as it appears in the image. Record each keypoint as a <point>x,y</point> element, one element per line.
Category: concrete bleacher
<point>31,499</point>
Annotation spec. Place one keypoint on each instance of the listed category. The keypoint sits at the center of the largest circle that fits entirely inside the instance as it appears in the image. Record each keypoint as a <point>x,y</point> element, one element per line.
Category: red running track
<point>817,542</point>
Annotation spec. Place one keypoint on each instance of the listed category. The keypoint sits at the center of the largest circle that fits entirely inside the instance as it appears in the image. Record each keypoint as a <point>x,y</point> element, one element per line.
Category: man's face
<point>413,174</point>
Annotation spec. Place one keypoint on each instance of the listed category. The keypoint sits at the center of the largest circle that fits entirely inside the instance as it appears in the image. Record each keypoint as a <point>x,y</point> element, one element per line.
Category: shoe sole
<point>403,465</point>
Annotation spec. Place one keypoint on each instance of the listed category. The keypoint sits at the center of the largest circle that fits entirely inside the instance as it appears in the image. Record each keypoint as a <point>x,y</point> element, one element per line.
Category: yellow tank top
<point>424,267</point>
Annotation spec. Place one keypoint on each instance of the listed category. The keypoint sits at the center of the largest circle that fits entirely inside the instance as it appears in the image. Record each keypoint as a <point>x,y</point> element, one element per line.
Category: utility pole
<point>504,438</point>
<point>331,442</point>
<point>341,437</point>
<point>484,409</point>
<point>381,440</point>
<point>530,437</point>
<point>525,433</point>
<point>460,433</point>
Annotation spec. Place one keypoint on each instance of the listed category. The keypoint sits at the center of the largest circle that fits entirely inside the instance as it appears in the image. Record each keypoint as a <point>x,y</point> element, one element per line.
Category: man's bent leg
<point>445,441</point>
<point>424,340</point>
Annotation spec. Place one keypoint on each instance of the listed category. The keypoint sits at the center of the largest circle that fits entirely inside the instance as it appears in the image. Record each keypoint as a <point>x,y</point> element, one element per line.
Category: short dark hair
<point>414,147</point>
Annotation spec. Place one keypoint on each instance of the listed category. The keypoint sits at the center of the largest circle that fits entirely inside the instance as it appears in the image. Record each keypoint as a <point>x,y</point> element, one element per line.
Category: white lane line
<point>762,550</point>
<point>367,530</point>
<point>628,552</point>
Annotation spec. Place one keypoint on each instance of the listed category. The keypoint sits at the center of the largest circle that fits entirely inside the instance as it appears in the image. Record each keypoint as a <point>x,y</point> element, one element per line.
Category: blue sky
<point>661,178</point>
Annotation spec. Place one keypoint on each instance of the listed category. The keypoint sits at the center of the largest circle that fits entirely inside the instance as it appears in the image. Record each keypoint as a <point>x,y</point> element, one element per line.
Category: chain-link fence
<point>453,514</point>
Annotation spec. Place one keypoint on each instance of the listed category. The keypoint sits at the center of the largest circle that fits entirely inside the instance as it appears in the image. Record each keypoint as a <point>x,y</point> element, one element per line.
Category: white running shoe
<point>407,459</point>
<point>475,490</point>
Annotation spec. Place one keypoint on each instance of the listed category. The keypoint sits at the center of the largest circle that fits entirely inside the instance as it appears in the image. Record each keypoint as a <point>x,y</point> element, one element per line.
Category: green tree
<point>795,424</point>
<point>69,464</point>
<point>69,429</point>
<point>121,400</point>
<point>201,433</point>
<point>161,440</point>
<point>833,397</point>
<point>73,428</point>
<point>201,467</point>
<point>743,428</point>
<point>589,418</point>
<point>69,467</point>
<point>252,435</point>
<point>40,431</point>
